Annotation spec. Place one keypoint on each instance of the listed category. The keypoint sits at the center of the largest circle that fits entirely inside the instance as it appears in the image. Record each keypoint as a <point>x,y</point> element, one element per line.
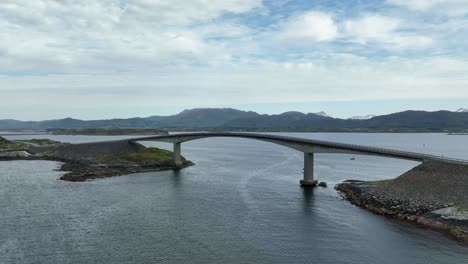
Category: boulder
<point>322,184</point>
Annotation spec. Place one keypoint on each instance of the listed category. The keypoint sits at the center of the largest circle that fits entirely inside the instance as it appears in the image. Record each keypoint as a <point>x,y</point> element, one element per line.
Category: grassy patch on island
<point>39,142</point>
<point>11,145</point>
<point>145,155</point>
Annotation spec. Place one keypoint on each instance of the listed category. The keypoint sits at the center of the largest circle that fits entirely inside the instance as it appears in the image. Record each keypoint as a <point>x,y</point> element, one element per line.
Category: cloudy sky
<point>122,58</point>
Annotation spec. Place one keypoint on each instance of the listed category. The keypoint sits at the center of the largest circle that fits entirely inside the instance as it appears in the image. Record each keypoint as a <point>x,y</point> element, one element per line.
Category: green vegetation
<point>11,145</point>
<point>145,155</point>
<point>463,210</point>
<point>107,132</point>
<point>24,144</point>
<point>383,181</point>
<point>39,142</point>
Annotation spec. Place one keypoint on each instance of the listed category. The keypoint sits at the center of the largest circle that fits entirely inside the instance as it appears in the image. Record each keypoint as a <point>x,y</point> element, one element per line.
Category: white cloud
<point>447,7</point>
<point>309,27</point>
<point>223,30</point>
<point>88,35</point>
<point>336,77</point>
<point>421,5</point>
<point>160,11</point>
<point>372,29</point>
<point>189,11</point>
<point>113,54</point>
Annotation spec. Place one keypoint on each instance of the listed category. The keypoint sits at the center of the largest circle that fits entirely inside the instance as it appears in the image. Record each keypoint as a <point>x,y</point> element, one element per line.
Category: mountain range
<point>233,119</point>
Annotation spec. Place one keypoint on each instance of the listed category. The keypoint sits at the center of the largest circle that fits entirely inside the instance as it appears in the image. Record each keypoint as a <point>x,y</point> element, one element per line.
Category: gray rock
<point>322,184</point>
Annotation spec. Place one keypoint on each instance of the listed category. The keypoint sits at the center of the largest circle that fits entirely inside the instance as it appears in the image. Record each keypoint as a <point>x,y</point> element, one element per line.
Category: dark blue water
<point>240,203</point>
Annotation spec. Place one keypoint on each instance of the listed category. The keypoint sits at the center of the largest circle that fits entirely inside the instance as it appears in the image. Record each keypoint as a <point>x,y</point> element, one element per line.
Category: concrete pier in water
<point>308,170</point>
<point>176,154</point>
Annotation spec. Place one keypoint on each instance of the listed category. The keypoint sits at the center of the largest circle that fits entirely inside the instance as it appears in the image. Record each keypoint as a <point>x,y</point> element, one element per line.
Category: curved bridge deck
<point>308,146</point>
<point>302,144</point>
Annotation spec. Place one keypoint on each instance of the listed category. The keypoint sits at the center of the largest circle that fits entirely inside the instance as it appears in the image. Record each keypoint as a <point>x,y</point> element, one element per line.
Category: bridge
<point>308,146</point>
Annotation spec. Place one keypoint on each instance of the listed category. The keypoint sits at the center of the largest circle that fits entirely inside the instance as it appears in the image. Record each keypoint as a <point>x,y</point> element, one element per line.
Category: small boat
<point>352,158</point>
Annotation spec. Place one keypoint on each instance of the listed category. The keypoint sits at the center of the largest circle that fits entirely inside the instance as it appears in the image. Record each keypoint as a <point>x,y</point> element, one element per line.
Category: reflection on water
<point>308,198</point>
<point>240,203</point>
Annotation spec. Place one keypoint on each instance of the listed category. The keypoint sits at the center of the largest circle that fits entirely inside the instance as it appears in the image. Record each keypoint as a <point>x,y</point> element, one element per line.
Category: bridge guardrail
<point>314,142</point>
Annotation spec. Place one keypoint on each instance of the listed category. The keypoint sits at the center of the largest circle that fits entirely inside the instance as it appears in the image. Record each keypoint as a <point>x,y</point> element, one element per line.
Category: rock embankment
<point>433,194</point>
<point>78,172</point>
<point>93,160</point>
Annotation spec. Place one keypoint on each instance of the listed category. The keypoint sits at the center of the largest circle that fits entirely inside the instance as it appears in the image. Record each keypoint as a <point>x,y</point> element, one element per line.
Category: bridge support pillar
<point>176,154</point>
<point>308,170</point>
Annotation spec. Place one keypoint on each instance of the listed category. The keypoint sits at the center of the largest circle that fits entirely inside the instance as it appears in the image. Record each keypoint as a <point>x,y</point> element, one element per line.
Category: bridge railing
<point>313,142</point>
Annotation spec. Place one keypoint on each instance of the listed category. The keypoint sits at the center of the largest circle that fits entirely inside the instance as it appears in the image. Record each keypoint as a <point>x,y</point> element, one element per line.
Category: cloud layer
<point>442,7</point>
<point>161,53</point>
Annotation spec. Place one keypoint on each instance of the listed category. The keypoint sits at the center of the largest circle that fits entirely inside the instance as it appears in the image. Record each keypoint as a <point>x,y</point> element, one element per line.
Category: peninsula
<point>92,160</point>
<point>433,195</point>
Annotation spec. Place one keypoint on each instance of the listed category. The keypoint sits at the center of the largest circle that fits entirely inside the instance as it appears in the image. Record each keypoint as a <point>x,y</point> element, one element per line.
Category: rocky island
<point>433,195</point>
<point>92,160</point>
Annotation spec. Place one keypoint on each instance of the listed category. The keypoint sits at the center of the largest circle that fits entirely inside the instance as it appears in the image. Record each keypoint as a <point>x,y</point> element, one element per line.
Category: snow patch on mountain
<point>362,117</point>
<point>322,113</point>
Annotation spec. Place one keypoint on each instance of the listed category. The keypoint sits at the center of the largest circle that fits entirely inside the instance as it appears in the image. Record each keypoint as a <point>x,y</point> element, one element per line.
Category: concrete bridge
<point>308,146</point>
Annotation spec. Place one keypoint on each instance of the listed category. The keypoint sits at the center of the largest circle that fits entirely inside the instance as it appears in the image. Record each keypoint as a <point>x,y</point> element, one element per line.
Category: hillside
<point>407,121</point>
<point>233,119</point>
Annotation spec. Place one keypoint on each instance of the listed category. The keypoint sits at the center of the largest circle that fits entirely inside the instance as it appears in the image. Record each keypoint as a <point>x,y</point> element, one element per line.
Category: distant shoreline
<point>147,132</point>
<point>225,119</point>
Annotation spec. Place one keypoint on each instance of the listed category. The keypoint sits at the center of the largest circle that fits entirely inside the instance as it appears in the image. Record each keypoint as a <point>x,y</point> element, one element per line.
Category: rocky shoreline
<point>78,172</point>
<point>88,161</point>
<point>432,195</point>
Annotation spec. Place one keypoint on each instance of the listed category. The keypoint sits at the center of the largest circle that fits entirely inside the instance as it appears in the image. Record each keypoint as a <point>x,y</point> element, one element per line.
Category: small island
<point>433,195</point>
<point>88,161</point>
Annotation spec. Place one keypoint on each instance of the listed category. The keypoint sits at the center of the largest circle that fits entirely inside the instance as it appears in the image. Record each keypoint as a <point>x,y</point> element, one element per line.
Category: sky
<point>92,59</point>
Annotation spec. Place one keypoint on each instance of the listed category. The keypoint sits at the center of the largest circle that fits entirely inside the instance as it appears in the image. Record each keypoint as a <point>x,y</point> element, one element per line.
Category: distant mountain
<point>11,124</point>
<point>322,113</point>
<point>461,110</point>
<point>285,120</point>
<point>233,119</point>
<point>193,118</point>
<point>420,120</point>
<point>362,117</point>
<point>205,117</point>
<point>407,121</point>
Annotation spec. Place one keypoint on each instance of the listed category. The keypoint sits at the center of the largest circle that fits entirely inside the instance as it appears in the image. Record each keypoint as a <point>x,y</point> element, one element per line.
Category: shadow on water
<point>176,178</point>
<point>308,199</point>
